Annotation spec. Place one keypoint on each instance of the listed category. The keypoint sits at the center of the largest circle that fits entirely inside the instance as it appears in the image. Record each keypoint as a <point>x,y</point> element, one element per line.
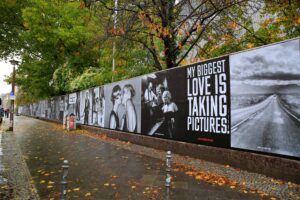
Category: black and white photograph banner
<point>191,103</point>
<point>265,99</point>
<point>163,104</point>
<point>85,107</point>
<point>123,105</point>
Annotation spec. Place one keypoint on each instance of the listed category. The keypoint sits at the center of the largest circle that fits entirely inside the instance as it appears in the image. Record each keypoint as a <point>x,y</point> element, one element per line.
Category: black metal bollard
<point>168,175</point>
<point>64,182</point>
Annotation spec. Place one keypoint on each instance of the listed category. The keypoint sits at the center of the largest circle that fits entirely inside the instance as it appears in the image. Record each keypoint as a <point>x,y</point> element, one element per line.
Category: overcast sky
<point>269,66</point>
<point>5,69</point>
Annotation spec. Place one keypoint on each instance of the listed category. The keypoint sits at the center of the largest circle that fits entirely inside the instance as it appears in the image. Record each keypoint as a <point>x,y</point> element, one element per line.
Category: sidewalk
<point>15,179</point>
<point>105,168</point>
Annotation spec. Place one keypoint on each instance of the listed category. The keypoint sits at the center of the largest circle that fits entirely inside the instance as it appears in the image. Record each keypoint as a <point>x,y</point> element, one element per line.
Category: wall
<point>246,101</point>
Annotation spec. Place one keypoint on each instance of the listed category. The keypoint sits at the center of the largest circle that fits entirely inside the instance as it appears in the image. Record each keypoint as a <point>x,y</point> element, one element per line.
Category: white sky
<point>5,69</point>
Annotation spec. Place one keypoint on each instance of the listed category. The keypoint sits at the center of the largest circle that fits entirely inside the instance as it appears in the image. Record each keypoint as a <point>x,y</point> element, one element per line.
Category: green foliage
<point>11,26</point>
<point>66,46</point>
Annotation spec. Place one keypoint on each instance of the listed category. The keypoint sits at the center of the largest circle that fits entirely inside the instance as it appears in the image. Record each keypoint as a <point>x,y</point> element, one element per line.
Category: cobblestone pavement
<point>247,180</point>
<point>15,179</point>
<point>105,168</point>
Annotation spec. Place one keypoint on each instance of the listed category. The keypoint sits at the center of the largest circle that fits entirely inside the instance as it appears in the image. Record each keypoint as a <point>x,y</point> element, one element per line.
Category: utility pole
<point>12,96</point>
<point>114,42</point>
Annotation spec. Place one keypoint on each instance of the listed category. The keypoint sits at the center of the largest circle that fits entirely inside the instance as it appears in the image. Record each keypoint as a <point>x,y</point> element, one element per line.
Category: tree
<point>11,25</point>
<point>258,23</point>
<point>65,48</point>
<point>169,30</point>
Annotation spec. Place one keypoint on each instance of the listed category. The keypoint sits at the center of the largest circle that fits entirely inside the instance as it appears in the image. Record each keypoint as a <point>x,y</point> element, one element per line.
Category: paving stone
<point>15,179</point>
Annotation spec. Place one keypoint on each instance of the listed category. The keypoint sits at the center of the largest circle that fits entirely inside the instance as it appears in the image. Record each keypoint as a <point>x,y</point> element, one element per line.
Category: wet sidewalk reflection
<point>100,170</point>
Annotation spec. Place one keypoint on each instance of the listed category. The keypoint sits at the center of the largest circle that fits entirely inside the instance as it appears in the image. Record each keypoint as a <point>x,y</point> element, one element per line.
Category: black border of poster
<point>208,115</point>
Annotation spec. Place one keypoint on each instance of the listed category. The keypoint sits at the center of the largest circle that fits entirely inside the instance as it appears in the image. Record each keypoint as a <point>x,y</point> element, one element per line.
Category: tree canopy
<point>66,46</point>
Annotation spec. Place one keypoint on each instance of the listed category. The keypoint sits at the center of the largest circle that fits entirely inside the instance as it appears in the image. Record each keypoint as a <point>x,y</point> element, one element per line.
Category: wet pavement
<point>15,179</point>
<point>108,169</point>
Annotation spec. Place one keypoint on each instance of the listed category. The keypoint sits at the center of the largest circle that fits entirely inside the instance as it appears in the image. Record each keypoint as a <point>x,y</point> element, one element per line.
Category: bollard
<point>64,182</point>
<point>168,171</point>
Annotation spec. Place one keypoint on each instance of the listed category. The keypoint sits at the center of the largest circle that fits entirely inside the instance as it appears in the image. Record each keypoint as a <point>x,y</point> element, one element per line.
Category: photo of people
<point>123,109</point>
<point>77,105</point>
<point>61,108</point>
<point>160,107</point>
<point>97,106</point>
<point>85,106</point>
<point>42,104</point>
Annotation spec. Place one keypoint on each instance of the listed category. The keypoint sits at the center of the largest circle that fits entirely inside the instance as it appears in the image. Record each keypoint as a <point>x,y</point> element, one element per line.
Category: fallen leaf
<point>42,181</point>
<point>88,194</point>
<point>106,184</point>
<point>76,189</point>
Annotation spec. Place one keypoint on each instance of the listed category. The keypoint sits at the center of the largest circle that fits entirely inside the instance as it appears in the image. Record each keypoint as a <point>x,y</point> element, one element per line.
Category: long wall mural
<point>248,100</point>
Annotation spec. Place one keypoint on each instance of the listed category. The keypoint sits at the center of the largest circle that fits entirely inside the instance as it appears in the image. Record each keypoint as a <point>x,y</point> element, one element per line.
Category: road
<point>268,127</point>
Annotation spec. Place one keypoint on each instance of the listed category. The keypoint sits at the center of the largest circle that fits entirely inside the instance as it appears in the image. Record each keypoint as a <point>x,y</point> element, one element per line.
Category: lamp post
<point>114,42</point>
<point>12,101</point>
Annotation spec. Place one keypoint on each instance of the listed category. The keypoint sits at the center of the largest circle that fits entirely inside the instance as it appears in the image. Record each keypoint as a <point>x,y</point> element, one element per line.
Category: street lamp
<point>114,42</point>
<point>12,101</point>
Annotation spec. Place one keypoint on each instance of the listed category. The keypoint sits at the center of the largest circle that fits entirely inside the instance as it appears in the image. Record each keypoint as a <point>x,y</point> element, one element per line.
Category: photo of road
<point>265,93</point>
<point>273,128</point>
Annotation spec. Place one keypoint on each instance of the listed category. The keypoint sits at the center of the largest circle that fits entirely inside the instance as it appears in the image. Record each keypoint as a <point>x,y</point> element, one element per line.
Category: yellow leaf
<point>232,187</point>
<point>50,186</point>
<point>250,45</point>
<point>133,187</point>
<point>50,182</point>
<point>106,184</point>
<point>87,194</point>
<point>42,181</point>
<point>76,189</point>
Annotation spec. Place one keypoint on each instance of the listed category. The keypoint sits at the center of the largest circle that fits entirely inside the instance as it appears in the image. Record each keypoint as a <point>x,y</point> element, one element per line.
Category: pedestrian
<point>7,112</point>
<point>1,114</point>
